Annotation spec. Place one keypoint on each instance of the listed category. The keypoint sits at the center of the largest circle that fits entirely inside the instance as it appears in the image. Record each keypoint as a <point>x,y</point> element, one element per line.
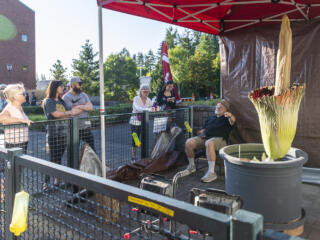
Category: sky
<point>63,26</point>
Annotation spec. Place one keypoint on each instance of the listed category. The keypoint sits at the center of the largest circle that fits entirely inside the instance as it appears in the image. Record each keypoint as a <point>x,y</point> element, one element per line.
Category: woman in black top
<point>166,98</point>
<point>56,109</point>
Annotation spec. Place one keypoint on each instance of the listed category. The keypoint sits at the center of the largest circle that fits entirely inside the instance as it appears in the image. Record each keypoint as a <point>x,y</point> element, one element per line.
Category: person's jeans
<point>57,145</point>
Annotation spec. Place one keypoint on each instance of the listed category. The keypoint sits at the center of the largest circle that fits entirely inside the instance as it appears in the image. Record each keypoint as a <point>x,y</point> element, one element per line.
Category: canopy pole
<point>102,111</point>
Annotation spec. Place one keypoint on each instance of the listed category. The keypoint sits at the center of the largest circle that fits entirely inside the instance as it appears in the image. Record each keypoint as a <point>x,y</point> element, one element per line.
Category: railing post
<point>74,143</point>
<point>145,135</point>
<point>11,181</point>
<point>246,225</point>
<point>191,120</point>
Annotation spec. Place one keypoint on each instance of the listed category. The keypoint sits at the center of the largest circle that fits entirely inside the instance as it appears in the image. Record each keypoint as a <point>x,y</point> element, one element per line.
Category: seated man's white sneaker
<point>209,177</point>
<point>190,169</point>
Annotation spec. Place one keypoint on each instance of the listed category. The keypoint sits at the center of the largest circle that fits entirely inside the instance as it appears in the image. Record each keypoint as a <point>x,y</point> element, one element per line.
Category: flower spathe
<point>278,106</point>
<point>278,117</point>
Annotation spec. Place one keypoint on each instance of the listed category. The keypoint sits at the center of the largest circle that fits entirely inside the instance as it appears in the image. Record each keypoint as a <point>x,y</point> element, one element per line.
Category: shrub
<point>29,110</point>
<point>121,108</point>
<point>202,102</point>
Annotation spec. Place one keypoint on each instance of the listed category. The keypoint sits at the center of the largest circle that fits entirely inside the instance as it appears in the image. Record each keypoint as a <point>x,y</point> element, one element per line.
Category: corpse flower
<point>278,106</point>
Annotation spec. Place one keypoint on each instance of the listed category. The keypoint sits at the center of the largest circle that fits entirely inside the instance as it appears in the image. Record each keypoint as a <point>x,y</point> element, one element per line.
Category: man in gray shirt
<point>75,98</point>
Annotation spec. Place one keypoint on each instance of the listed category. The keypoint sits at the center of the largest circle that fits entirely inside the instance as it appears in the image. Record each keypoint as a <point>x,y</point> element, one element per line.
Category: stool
<point>202,153</point>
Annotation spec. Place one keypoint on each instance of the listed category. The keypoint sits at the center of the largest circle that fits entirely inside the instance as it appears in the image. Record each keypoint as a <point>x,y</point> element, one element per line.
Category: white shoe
<point>209,177</point>
<point>190,169</point>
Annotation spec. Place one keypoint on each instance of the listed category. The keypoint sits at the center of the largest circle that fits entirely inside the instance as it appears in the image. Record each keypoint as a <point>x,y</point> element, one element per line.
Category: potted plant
<point>268,176</point>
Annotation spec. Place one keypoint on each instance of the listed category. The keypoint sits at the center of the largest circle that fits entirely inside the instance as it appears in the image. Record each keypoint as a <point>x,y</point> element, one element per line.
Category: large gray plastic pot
<point>272,189</point>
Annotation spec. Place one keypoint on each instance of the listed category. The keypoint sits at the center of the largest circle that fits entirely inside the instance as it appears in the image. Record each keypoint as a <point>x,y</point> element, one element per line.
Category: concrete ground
<point>311,197</point>
<point>120,138</point>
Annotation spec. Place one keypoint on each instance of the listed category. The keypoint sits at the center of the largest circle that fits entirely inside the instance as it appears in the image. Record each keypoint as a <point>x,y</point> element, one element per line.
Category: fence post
<point>11,181</point>
<point>191,120</point>
<point>145,135</point>
<point>246,225</point>
<point>74,143</point>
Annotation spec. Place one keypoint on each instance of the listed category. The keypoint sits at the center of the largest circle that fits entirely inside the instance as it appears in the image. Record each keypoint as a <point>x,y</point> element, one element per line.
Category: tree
<point>156,79</point>
<point>202,74</point>
<point>140,59</point>
<point>179,64</point>
<point>43,77</point>
<point>87,68</point>
<point>186,42</point>
<point>121,81</point>
<point>210,44</point>
<point>149,62</point>
<point>59,72</point>
<point>171,37</point>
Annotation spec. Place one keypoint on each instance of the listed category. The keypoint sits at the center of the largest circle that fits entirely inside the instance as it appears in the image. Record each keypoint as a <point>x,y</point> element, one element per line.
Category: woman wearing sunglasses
<point>15,136</point>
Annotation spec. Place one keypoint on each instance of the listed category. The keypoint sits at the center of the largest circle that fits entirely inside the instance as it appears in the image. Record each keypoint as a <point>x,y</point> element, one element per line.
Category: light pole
<point>9,68</point>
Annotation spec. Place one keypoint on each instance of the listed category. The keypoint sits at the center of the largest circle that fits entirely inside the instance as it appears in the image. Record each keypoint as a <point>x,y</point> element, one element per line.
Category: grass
<point>37,117</point>
<point>199,102</point>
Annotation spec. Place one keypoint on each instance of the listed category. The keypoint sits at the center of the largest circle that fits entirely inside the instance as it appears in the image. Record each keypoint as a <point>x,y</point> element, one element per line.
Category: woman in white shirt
<point>140,103</point>
<point>15,136</point>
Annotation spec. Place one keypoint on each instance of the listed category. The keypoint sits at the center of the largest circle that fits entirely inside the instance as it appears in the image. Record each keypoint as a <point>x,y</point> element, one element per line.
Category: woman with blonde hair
<point>140,103</point>
<point>15,136</point>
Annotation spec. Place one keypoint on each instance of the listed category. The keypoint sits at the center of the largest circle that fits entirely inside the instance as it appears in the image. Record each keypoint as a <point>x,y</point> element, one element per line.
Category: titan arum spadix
<point>278,105</point>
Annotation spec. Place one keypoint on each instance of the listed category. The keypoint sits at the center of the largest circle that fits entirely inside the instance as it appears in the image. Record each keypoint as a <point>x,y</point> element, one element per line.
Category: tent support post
<point>102,111</point>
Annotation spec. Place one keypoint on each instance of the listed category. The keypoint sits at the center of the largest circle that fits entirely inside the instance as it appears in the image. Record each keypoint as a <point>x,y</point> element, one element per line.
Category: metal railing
<point>68,204</point>
<point>83,206</point>
<point>61,141</point>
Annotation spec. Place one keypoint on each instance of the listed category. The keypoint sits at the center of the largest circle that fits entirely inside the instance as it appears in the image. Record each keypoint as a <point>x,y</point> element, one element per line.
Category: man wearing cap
<point>213,136</point>
<point>75,98</point>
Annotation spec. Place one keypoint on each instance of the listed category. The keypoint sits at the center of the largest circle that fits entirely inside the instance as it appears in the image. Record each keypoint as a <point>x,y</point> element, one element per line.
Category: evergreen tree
<point>179,64</point>
<point>156,79</point>
<point>59,72</point>
<point>121,81</point>
<point>171,38</point>
<point>87,68</point>
<point>149,61</point>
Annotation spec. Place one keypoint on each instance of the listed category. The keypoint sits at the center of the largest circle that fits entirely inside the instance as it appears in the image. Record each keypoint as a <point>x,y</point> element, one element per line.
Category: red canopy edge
<point>217,16</point>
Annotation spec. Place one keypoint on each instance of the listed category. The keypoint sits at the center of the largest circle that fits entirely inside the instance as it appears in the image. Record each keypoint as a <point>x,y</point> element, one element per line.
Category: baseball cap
<point>75,80</point>
<point>225,103</point>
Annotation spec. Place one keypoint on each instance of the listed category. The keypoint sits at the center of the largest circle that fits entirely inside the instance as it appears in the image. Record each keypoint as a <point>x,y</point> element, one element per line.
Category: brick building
<point>17,44</point>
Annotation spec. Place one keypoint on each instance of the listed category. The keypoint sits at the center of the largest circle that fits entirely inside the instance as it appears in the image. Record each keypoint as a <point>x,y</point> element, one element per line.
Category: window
<point>25,68</point>
<point>24,38</point>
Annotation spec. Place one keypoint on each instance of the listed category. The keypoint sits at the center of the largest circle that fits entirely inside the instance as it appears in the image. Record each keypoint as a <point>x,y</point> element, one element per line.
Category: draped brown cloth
<point>166,161</point>
<point>248,61</point>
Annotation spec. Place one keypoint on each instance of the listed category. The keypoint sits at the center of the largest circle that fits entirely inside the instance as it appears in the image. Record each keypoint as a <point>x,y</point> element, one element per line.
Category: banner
<point>166,70</point>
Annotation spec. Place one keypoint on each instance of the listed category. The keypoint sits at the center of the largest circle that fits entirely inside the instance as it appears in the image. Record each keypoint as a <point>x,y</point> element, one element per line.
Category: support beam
<point>102,110</point>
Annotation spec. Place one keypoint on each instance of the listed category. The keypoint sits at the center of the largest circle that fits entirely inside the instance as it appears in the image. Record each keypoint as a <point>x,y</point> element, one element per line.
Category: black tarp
<point>248,61</point>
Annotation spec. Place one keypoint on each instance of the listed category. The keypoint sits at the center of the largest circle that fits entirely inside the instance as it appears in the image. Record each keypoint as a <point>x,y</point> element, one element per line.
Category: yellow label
<point>152,205</point>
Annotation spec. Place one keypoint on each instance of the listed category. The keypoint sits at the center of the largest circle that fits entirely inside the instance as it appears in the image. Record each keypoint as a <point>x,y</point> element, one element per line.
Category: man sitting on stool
<point>213,136</point>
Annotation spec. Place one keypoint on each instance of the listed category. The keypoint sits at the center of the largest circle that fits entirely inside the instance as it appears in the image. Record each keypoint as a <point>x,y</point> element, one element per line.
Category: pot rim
<point>294,161</point>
